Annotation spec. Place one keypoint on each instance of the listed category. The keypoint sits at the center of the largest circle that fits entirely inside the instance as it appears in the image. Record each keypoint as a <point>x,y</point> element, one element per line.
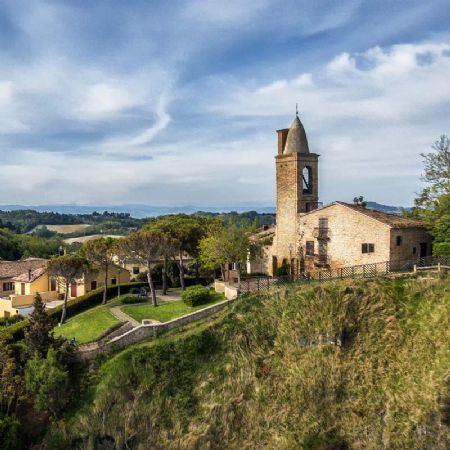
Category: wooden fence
<point>260,284</point>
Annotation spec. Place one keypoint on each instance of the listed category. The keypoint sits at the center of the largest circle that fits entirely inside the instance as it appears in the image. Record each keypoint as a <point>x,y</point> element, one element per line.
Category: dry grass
<point>339,366</point>
<point>66,229</point>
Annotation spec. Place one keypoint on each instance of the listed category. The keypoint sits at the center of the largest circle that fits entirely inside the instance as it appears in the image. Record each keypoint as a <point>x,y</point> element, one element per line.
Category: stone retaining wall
<point>137,334</point>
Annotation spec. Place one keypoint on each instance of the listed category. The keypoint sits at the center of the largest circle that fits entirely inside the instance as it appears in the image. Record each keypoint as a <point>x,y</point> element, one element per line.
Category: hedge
<point>75,306</point>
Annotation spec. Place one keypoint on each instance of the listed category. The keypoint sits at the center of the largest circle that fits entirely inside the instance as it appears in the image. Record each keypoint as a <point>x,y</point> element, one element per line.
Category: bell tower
<point>297,188</point>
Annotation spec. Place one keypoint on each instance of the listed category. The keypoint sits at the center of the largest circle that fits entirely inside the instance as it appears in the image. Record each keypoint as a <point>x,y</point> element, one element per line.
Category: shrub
<point>130,299</point>
<point>283,271</point>
<point>7,321</point>
<point>441,249</point>
<point>135,291</point>
<point>196,295</point>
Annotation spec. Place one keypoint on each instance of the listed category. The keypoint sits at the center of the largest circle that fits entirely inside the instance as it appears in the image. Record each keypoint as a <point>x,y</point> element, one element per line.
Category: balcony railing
<point>321,233</point>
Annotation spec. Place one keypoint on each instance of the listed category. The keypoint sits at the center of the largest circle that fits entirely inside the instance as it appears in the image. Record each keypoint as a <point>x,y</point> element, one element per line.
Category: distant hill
<point>142,211</point>
<point>387,208</point>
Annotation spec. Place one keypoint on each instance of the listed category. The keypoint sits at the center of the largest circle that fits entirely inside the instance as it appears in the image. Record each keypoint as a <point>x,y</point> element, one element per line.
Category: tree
<point>48,380</point>
<point>433,203</point>
<point>67,270</point>
<point>436,173</point>
<point>146,246</point>
<point>228,245</point>
<point>39,335</point>
<point>184,233</point>
<point>100,252</point>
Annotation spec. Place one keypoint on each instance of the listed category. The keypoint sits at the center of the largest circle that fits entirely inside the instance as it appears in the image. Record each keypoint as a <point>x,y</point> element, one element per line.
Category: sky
<point>177,103</point>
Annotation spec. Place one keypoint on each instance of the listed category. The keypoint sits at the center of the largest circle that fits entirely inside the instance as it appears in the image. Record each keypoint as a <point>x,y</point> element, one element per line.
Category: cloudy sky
<point>177,102</point>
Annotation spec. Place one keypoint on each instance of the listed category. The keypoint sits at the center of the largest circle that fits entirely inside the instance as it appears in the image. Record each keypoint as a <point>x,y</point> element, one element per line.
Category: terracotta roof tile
<point>11,269</point>
<point>25,277</point>
<point>393,220</point>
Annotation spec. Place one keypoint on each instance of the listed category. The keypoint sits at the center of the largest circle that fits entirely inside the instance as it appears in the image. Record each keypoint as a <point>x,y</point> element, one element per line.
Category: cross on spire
<point>296,109</point>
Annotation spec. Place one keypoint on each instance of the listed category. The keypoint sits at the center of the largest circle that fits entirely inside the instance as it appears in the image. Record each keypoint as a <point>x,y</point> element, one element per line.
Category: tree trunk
<point>181,271</point>
<point>239,276</point>
<point>64,309</point>
<point>150,284</point>
<point>105,291</point>
<point>197,280</point>
<point>164,277</point>
<point>222,273</point>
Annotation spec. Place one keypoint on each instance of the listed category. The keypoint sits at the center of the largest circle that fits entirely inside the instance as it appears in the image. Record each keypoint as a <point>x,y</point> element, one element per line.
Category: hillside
<point>360,365</point>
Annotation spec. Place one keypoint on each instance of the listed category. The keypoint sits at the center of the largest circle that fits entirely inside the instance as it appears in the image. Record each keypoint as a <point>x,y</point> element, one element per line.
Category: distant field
<point>88,238</point>
<point>66,229</point>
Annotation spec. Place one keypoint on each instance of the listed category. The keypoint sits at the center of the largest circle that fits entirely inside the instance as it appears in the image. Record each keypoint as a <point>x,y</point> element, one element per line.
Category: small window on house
<point>310,248</point>
<point>367,248</point>
<point>93,285</point>
<point>323,222</point>
<point>399,241</point>
<point>53,284</point>
<point>113,281</point>
<point>414,250</point>
<point>135,270</point>
<point>8,286</point>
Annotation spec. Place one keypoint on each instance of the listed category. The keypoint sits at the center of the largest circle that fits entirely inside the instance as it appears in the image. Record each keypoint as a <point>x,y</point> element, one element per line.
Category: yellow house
<point>51,290</point>
<point>95,279</point>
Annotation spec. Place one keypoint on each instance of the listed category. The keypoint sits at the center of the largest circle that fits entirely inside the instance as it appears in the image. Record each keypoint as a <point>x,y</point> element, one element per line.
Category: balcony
<point>321,233</point>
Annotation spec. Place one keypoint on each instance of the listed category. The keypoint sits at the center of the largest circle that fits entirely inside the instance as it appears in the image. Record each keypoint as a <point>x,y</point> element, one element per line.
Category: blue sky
<point>177,102</point>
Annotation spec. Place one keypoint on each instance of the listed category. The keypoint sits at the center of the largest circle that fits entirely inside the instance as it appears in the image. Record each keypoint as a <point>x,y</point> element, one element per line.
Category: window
<point>53,284</point>
<point>307,180</point>
<point>310,248</point>
<point>93,285</point>
<point>113,281</point>
<point>323,222</point>
<point>414,250</point>
<point>135,270</point>
<point>398,240</point>
<point>8,286</point>
<point>367,248</point>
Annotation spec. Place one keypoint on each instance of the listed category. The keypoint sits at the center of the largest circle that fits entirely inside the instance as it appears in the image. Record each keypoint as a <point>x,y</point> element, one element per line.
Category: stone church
<point>309,236</point>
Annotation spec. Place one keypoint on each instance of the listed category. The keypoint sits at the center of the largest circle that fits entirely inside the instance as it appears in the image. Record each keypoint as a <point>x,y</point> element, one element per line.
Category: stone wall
<point>347,230</point>
<point>142,332</point>
<point>411,238</point>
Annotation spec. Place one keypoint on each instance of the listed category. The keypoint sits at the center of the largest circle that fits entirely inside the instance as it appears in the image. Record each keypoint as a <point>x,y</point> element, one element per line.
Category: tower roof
<point>296,141</point>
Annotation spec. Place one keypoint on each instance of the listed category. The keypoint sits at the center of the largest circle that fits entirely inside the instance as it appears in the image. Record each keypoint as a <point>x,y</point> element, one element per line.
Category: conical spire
<point>296,141</point>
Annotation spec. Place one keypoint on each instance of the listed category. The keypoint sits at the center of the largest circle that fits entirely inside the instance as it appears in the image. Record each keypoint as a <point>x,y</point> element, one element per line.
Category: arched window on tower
<point>307,180</point>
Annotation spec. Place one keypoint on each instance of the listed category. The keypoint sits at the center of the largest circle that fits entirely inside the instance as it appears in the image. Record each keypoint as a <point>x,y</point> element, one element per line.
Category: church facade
<point>309,236</point>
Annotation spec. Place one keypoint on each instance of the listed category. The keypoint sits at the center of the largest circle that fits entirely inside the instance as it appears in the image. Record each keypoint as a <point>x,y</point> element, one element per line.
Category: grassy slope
<point>88,325</point>
<point>269,376</point>
<point>165,311</point>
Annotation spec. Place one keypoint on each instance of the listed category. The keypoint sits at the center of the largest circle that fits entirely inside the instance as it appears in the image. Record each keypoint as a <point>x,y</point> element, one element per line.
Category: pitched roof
<point>30,277</point>
<point>296,141</point>
<point>11,269</point>
<point>393,220</point>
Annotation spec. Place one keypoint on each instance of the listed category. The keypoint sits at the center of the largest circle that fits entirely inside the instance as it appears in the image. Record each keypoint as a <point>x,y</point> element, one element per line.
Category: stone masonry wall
<point>347,230</point>
<point>142,332</point>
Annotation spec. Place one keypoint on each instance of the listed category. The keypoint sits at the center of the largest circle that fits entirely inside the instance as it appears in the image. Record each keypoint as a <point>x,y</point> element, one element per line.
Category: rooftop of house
<point>393,220</point>
<point>30,276</point>
<point>12,269</point>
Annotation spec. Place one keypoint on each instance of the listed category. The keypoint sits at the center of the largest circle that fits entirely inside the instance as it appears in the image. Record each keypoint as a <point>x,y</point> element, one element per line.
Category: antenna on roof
<point>296,109</point>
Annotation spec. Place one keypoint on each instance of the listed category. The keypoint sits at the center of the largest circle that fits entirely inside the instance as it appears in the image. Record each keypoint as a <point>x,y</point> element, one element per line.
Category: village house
<point>309,236</point>
<point>25,285</point>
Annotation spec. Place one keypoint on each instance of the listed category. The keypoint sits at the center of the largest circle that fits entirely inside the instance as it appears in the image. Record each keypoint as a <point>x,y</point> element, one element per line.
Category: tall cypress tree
<point>39,336</point>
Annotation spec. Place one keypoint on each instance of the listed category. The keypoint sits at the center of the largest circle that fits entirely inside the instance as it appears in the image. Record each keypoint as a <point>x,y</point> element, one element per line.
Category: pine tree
<point>39,336</point>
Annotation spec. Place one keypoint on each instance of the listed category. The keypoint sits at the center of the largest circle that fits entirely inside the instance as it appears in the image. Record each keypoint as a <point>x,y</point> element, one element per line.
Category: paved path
<point>116,312</point>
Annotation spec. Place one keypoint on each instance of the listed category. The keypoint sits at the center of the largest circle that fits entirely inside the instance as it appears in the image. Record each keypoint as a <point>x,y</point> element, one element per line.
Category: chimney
<point>29,274</point>
<point>282,136</point>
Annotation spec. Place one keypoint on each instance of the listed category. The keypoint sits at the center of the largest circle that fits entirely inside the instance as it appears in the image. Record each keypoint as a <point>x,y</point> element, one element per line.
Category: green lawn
<point>166,311</point>
<point>88,325</point>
